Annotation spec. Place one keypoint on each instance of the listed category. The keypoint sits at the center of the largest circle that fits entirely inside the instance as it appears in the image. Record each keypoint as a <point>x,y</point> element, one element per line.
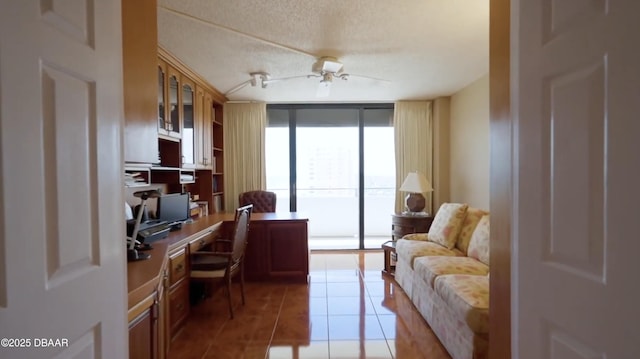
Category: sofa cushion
<point>447,223</point>
<point>408,250</point>
<point>479,244</point>
<point>429,268</point>
<point>467,296</point>
<point>469,224</point>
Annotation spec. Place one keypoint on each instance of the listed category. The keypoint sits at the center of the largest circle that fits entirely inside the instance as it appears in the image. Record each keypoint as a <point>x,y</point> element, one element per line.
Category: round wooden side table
<point>402,224</point>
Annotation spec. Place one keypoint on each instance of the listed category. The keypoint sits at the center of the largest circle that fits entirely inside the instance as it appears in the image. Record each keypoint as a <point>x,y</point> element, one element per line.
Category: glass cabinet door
<point>174,110</point>
<point>188,125</point>
<point>162,124</point>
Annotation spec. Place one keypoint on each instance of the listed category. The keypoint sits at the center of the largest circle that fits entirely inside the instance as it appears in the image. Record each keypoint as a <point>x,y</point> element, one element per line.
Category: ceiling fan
<point>326,68</point>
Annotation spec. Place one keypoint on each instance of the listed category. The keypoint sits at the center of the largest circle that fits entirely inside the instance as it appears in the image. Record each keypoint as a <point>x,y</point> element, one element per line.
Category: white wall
<point>469,144</point>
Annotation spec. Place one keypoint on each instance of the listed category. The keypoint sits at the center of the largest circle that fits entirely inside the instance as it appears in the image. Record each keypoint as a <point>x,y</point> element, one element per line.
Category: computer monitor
<point>173,208</point>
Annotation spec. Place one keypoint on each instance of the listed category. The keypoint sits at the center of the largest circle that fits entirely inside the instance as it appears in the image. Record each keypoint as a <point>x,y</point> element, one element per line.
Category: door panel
<point>577,138</point>
<point>61,154</point>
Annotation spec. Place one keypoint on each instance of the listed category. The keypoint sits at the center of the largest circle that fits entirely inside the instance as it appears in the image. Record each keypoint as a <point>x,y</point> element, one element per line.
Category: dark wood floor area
<point>348,310</point>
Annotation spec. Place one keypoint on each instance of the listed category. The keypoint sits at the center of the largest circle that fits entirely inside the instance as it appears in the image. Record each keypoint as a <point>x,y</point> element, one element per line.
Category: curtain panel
<point>244,146</point>
<point>413,132</point>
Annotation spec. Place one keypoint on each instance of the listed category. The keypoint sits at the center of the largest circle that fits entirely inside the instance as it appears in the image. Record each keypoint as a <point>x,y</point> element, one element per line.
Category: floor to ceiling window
<point>335,164</point>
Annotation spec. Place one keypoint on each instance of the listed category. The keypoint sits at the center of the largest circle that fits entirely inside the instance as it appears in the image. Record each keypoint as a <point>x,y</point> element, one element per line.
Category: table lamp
<point>416,184</point>
<point>132,253</point>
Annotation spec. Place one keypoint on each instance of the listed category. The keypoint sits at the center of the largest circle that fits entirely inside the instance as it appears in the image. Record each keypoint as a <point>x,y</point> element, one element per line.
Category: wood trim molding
<point>500,179</point>
<point>141,307</point>
<point>218,96</point>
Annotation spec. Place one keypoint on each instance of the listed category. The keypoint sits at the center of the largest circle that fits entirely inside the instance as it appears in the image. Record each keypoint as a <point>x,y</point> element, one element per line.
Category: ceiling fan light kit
<point>326,64</point>
<point>261,78</point>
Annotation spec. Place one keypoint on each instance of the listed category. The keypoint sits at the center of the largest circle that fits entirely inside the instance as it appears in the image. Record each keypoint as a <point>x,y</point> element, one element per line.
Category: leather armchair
<point>263,201</point>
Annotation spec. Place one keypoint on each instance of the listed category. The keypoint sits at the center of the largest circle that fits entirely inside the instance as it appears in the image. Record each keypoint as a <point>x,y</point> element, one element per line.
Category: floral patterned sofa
<point>446,274</point>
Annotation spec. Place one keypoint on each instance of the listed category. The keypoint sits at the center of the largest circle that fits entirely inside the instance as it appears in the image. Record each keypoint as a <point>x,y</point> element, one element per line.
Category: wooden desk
<point>158,288</point>
<point>278,248</point>
<point>144,276</point>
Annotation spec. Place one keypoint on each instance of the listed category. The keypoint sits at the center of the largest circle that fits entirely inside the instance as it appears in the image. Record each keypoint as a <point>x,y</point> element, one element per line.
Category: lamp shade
<point>416,182</point>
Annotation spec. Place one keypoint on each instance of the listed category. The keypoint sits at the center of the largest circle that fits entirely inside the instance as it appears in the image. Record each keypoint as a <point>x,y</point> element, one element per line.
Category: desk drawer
<point>178,306</point>
<point>177,266</point>
<point>202,241</point>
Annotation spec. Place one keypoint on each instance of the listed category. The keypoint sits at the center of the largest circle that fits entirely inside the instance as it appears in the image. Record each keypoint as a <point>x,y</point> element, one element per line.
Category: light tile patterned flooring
<point>348,310</point>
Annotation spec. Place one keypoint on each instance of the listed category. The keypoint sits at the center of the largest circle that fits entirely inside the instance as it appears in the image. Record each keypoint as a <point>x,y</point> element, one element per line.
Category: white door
<point>576,106</point>
<point>62,262</point>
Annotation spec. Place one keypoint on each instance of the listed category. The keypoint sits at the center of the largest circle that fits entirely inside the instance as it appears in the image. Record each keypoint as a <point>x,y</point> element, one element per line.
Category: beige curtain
<point>413,129</point>
<point>244,159</point>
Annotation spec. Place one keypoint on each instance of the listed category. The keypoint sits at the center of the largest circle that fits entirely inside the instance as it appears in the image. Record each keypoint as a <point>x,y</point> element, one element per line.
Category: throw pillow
<point>479,244</point>
<point>469,224</point>
<point>447,223</point>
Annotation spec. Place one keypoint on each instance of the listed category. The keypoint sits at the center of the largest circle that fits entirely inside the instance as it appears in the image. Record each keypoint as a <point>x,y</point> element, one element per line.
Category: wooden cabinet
<point>178,289</point>
<point>188,119</point>
<point>277,250</point>
<point>173,125</point>
<point>208,118</point>
<point>288,240</point>
<point>163,122</point>
<point>177,266</point>
<point>190,132</point>
<point>147,325</point>
<point>404,224</point>
<point>140,80</point>
<point>204,123</point>
<point>140,333</point>
<point>178,306</point>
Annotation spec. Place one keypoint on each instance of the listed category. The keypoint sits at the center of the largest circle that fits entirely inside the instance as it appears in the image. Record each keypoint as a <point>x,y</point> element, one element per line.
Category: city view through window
<point>327,182</point>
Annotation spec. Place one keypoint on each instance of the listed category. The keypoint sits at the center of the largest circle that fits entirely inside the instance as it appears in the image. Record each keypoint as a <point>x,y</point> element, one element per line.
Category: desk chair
<point>206,265</point>
<point>263,201</point>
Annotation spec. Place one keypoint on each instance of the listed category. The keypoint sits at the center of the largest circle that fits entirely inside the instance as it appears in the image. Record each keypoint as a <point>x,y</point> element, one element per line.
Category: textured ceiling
<point>421,48</point>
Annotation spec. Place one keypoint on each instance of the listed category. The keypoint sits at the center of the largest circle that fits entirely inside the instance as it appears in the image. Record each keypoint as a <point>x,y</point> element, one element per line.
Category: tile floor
<point>348,310</point>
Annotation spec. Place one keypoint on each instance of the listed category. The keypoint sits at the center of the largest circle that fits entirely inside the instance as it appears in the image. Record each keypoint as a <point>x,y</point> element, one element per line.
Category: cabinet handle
<point>182,159</point>
<point>179,267</point>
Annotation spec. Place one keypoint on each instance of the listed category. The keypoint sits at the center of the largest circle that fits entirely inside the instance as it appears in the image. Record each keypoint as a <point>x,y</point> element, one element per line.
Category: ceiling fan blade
<point>270,81</point>
<point>324,88</point>
<point>238,88</point>
<point>367,78</point>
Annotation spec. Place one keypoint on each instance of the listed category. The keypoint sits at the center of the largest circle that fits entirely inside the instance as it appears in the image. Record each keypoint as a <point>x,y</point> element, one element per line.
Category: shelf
<point>168,138</point>
<point>137,176</point>
<point>218,193</point>
<point>217,149</point>
<point>172,175</point>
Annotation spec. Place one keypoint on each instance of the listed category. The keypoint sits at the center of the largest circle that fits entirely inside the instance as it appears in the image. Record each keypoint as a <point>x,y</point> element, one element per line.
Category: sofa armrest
<point>417,236</point>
